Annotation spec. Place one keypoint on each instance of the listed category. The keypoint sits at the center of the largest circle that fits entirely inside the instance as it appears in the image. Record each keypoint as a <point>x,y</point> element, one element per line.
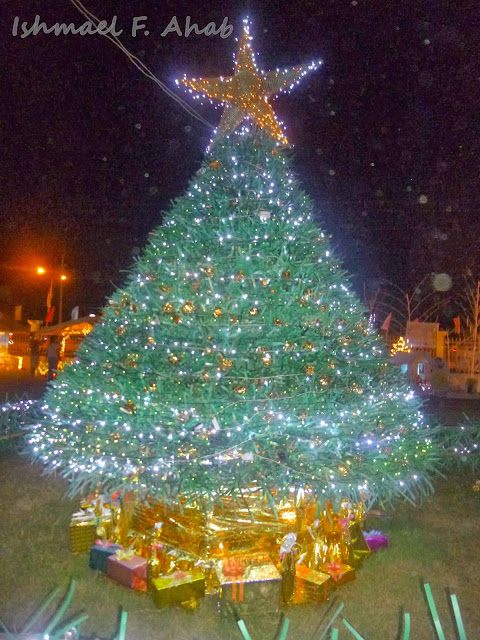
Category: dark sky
<point>386,133</point>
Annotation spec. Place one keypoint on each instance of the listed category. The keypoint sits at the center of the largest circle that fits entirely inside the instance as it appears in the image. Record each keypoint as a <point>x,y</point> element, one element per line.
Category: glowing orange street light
<point>62,277</point>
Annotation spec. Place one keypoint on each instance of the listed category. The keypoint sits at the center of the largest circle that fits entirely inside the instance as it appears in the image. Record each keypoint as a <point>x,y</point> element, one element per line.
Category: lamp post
<point>54,274</point>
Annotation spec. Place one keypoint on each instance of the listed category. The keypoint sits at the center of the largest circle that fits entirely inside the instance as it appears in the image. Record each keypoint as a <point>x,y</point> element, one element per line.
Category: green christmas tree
<point>237,357</point>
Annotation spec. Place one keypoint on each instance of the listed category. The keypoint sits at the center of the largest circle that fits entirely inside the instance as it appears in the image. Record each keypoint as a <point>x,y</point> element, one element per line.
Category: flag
<point>456,322</point>
<point>50,313</point>
<point>386,325</point>
<point>49,297</point>
<point>75,311</point>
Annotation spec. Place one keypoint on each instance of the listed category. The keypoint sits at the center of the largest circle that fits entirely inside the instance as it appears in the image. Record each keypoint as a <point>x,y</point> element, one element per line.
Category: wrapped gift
<point>248,584</point>
<point>100,553</point>
<point>83,527</point>
<point>376,540</point>
<point>310,585</point>
<point>128,569</point>
<point>358,549</point>
<point>339,573</point>
<point>178,588</point>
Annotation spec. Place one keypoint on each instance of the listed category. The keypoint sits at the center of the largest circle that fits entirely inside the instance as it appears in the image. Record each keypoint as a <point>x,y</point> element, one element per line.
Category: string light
<point>246,93</point>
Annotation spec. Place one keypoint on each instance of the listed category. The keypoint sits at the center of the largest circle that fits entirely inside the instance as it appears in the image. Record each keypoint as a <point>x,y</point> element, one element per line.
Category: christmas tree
<point>237,357</point>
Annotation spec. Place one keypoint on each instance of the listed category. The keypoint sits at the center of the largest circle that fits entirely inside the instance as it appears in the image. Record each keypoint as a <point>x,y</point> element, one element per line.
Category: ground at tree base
<point>436,542</point>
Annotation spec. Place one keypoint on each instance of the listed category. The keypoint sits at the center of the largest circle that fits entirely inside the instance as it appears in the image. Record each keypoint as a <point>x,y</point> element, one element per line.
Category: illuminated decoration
<point>400,345</point>
<point>246,93</point>
<point>20,363</point>
<point>266,408</point>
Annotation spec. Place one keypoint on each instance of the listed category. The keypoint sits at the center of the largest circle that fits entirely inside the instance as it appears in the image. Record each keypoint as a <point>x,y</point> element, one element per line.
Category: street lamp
<point>54,274</point>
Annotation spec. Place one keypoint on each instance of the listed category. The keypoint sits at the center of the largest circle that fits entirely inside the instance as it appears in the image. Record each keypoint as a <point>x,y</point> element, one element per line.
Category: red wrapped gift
<point>128,569</point>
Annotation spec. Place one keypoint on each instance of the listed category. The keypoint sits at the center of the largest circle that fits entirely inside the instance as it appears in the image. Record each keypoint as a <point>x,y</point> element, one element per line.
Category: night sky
<point>385,132</point>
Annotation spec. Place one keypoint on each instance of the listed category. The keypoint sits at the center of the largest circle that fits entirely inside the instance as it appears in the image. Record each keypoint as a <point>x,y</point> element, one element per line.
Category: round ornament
<point>240,389</point>
<point>168,307</point>
<point>254,311</point>
<point>217,312</point>
<point>188,307</point>
<point>309,369</point>
<point>173,359</point>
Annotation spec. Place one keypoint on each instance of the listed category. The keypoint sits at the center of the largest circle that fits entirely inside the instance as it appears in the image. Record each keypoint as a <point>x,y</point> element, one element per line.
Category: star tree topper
<point>246,93</point>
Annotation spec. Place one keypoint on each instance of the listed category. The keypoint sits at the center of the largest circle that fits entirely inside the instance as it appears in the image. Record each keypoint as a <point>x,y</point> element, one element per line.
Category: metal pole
<point>60,298</point>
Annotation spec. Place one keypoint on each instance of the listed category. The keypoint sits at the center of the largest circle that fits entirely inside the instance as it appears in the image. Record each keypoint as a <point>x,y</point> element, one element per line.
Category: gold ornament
<point>309,369</point>
<point>308,292</point>
<point>324,381</point>
<point>183,416</point>
<point>168,307</point>
<point>308,345</point>
<point>124,301</point>
<point>151,339</point>
<point>129,407</point>
<point>153,386</point>
<point>133,307</point>
<point>240,277</point>
<point>177,319</point>
<point>224,363</point>
<point>188,307</point>
<point>120,331</point>
<point>217,312</point>
<point>303,302</point>
<point>277,322</point>
<point>88,428</point>
<point>287,275</point>
<point>254,311</point>
<point>208,271</point>
<point>233,319</point>
<point>246,93</point>
<point>267,359</point>
<point>289,345</point>
<point>262,349</point>
<point>115,436</point>
<point>206,376</point>
<point>165,289</point>
<point>240,389</point>
<point>173,359</point>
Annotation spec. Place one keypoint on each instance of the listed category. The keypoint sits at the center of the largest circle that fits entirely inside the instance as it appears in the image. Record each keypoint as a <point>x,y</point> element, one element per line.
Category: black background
<point>392,115</point>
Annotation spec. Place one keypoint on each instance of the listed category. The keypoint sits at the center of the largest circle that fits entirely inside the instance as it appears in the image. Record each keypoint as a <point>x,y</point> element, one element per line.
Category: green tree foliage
<point>237,357</point>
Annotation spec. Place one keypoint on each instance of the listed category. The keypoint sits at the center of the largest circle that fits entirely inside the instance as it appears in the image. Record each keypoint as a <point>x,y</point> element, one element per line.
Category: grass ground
<point>437,542</point>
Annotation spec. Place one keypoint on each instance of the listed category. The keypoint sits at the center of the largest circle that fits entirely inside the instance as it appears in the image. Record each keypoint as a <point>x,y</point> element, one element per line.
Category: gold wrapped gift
<point>85,529</point>
<point>250,586</point>
<point>178,588</point>
<point>83,532</point>
<point>310,585</point>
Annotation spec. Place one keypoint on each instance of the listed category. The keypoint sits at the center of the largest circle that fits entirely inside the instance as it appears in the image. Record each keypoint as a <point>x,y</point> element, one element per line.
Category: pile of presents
<point>239,552</point>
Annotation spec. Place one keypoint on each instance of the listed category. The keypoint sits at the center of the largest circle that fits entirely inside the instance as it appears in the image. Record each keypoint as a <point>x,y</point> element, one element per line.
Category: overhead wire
<point>141,66</point>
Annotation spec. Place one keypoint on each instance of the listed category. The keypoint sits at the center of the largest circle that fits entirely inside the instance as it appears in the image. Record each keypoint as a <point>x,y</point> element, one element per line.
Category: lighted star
<point>246,93</point>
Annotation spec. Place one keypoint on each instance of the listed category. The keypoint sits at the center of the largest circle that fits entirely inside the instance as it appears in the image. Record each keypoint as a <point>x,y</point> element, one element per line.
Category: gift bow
<point>233,568</point>
<point>335,570</point>
<point>124,554</point>
<point>104,543</point>
<point>345,522</point>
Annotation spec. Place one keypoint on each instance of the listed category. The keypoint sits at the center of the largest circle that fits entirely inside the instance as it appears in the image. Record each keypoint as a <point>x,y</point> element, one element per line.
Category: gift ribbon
<point>104,543</point>
<point>335,570</point>
<point>124,554</point>
<point>234,570</point>
<point>345,522</point>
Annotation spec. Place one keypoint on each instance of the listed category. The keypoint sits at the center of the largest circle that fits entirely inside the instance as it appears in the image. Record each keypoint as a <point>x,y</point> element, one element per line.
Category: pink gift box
<point>131,573</point>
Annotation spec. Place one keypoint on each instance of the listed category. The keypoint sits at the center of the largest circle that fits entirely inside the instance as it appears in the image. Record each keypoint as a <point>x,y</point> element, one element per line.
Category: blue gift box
<point>99,555</point>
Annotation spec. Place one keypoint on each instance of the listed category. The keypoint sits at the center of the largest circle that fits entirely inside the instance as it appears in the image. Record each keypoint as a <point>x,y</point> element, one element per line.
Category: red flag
<point>49,316</point>
<point>386,325</point>
<point>456,322</point>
